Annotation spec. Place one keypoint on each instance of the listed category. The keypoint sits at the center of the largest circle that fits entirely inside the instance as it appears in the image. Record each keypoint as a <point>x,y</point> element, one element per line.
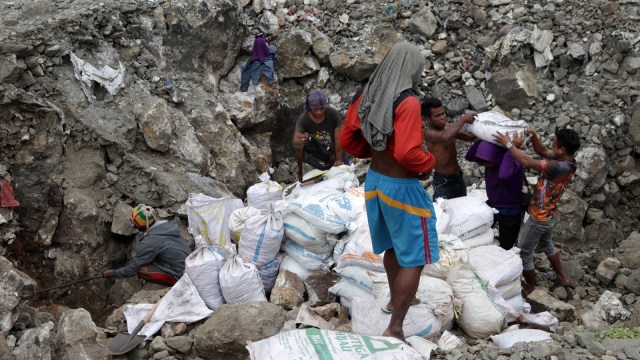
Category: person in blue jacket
<point>261,63</point>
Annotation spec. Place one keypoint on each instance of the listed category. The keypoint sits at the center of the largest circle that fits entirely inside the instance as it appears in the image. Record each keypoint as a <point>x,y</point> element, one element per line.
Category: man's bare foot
<point>389,308</point>
<point>396,334</point>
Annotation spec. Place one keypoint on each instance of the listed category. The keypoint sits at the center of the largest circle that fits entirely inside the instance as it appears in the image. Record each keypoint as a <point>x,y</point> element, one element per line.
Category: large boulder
<point>593,167</point>
<point>15,285</point>
<point>358,58</point>
<point>294,55</point>
<point>35,343</point>
<point>77,335</point>
<point>513,88</point>
<point>627,252</point>
<point>228,330</point>
<point>569,230</point>
<point>204,37</point>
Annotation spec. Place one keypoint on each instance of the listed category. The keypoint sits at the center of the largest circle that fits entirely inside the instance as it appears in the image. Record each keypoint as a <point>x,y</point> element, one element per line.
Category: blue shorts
<point>401,216</point>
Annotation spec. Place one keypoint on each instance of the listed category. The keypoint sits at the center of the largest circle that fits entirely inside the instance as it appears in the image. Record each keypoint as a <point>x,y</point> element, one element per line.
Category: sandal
<point>386,310</point>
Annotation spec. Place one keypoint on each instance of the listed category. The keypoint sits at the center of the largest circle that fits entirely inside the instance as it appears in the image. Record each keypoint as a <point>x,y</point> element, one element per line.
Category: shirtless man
<point>399,210</point>
<point>448,180</point>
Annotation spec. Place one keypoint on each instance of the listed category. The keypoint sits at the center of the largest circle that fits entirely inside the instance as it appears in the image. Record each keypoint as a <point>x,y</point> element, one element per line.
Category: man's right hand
<point>469,118</point>
<point>108,274</point>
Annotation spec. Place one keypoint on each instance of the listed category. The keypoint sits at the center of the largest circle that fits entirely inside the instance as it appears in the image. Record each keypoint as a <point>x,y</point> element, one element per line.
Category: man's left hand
<point>337,163</point>
<point>108,274</point>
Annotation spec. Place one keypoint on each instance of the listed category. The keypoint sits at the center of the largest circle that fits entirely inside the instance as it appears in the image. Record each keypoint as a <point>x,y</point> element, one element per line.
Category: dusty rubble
<point>106,104</point>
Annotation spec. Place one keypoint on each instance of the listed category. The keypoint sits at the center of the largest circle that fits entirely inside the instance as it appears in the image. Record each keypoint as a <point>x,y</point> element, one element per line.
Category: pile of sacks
<point>241,249</point>
<point>323,226</point>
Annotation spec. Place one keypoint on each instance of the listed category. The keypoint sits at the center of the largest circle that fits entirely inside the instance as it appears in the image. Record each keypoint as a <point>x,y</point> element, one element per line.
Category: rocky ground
<point>108,104</point>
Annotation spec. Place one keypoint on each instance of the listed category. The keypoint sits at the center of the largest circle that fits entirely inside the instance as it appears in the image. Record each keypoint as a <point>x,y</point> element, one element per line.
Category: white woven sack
<point>359,276</point>
<point>510,338</point>
<point>316,344</point>
<point>368,319</point>
<point>261,238</point>
<point>431,291</point>
<point>328,209</point>
<point>449,258</point>
<point>240,282</point>
<point>484,239</point>
<point>301,232</point>
<point>289,263</point>
<point>261,194</point>
<point>490,123</point>
<point>495,265</point>
<point>269,272</point>
<point>479,317</point>
<point>209,217</point>
<point>468,216</point>
<point>237,219</point>
<point>358,250</point>
<point>510,289</point>
<point>348,290</point>
<point>309,260</point>
<point>203,266</point>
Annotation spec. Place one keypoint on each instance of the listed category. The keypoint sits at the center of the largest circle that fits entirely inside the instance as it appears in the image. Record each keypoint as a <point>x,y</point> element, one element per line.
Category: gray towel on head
<point>400,70</point>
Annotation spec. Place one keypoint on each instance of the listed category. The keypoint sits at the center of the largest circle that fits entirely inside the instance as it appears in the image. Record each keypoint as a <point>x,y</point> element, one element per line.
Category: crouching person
<point>161,250</point>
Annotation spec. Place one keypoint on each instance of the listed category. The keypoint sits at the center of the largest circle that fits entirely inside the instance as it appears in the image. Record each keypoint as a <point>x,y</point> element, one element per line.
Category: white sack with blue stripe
<point>261,238</point>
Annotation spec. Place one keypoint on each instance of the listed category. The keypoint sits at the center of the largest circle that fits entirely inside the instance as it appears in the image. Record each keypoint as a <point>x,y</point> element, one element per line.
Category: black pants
<point>508,229</point>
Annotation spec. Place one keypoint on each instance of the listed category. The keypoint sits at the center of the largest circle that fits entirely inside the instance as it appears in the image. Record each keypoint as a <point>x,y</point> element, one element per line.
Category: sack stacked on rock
<point>203,266</point>
<point>479,316</point>
<point>261,238</point>
<point>309,260</point>
<point>490,123</point>
<point>237,219</point>
<point>289,263</point>
<point>240,282</point>
<point>261,194</point>
<point>269,272</point>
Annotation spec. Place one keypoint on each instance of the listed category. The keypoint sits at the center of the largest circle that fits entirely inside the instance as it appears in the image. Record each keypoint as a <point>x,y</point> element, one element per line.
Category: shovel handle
<point>144,321</point>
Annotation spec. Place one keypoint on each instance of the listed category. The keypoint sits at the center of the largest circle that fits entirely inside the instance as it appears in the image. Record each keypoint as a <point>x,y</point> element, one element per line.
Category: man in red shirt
<point>400,212</point>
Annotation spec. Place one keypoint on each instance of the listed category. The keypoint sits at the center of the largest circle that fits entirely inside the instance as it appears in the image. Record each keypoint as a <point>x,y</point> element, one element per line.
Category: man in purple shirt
<point>504,178</point>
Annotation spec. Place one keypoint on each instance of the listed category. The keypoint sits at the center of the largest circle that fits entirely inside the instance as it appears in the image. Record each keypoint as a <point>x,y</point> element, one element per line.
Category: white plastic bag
<point>316,344</point>
<point>367,318</point>
<point>490,123</point>
<point>237,219</point>
<point>209,217</point>
<point>301,232</point>
<point>240,282</point>
<point>359,276</point>
<point>484,239</point>
<point>261,238</point>
<point>449,258</point>
<point>203,266</point>
<point>261,194</point>
<point>329,210</point>
<point>509,338</point>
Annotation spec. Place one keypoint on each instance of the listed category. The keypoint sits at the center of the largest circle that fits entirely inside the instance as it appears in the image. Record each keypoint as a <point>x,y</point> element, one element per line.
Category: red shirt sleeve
<point>351,139</point>
<point>408,138</point>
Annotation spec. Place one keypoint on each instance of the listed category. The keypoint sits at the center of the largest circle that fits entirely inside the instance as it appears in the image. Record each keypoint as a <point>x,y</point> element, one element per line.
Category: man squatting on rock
<point>556,170</point>
<point>161,250</point>
<point>448,180</point>
<point>401,217</point>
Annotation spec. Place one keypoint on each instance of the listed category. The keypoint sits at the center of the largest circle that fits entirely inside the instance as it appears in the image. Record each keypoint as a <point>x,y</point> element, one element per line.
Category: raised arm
<point>538,146</point>
<point>449,132</point>
<point>338,148</point>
